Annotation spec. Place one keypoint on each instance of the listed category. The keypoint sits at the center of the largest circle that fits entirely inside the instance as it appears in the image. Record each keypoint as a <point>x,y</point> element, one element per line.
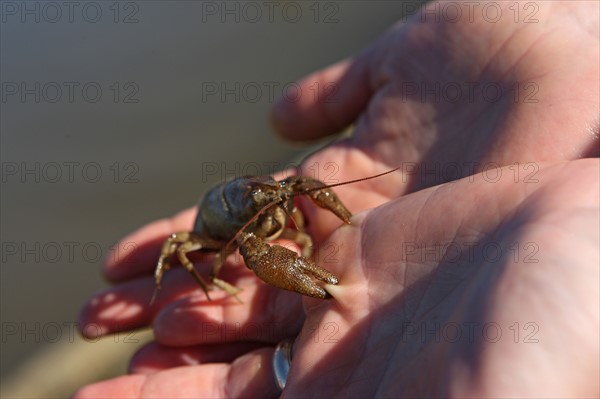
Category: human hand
<point>446,99</point>
<point>474,288</point>
<point>414,132</point>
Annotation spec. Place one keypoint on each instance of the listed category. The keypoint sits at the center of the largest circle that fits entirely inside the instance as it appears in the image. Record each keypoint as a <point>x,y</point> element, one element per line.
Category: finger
<point>128,306</point>
<point>138,253</point>
<point>248,376</point>
<point>268,315</point>
<point>154,357</point>
<point>326,101</point>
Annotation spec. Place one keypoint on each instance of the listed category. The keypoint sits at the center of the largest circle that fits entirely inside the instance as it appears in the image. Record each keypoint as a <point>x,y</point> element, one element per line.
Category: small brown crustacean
<point>247,212</point>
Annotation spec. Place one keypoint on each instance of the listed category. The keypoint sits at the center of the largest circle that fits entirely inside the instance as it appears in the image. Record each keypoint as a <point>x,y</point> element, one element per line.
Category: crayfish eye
<point>256,191</point>
<point>257,196</point>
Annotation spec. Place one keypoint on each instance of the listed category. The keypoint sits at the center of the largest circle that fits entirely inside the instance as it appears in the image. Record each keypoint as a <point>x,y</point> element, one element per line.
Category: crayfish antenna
<point>237,298</point>
<point>345,182</point>
<point>154,295</point>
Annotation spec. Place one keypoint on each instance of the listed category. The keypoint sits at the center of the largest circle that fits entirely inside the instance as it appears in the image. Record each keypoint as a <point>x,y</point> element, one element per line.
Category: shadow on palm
<point>422,277</point>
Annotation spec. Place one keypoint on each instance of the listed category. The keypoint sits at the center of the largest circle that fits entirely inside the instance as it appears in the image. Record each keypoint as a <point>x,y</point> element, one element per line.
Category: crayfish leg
<point>181,244</point>
<point>167,250</point>
<point>190,246</point>
<point>300,238</point>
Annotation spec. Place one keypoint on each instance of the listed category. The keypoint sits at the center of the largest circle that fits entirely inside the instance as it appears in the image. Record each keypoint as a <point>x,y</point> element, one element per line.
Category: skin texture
<point>480,280</point>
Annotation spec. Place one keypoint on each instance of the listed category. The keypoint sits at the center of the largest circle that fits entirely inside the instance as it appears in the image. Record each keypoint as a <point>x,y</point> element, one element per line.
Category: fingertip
<point>85,321</point>
<point>324,102</point>
<point>122,308</point>
<point>252,374</point>
<point>279,116</point>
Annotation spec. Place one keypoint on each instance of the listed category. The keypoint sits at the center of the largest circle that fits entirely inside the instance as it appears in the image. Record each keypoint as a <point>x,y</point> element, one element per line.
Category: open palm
<point>463,290</point>
<point>483,286</point>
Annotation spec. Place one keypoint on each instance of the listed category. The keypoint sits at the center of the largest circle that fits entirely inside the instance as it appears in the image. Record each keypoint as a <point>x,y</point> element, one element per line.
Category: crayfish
<point>247,212</point>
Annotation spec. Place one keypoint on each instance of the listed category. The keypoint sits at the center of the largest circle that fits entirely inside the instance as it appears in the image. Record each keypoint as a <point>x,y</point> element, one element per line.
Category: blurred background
<point>114,114</point>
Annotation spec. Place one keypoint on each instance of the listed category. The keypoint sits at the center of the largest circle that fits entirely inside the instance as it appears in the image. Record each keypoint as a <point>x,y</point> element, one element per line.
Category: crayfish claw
<point>283,268</point>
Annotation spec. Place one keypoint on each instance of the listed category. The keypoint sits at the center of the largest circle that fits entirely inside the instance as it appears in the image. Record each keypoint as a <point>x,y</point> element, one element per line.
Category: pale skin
<point>522,241</point>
